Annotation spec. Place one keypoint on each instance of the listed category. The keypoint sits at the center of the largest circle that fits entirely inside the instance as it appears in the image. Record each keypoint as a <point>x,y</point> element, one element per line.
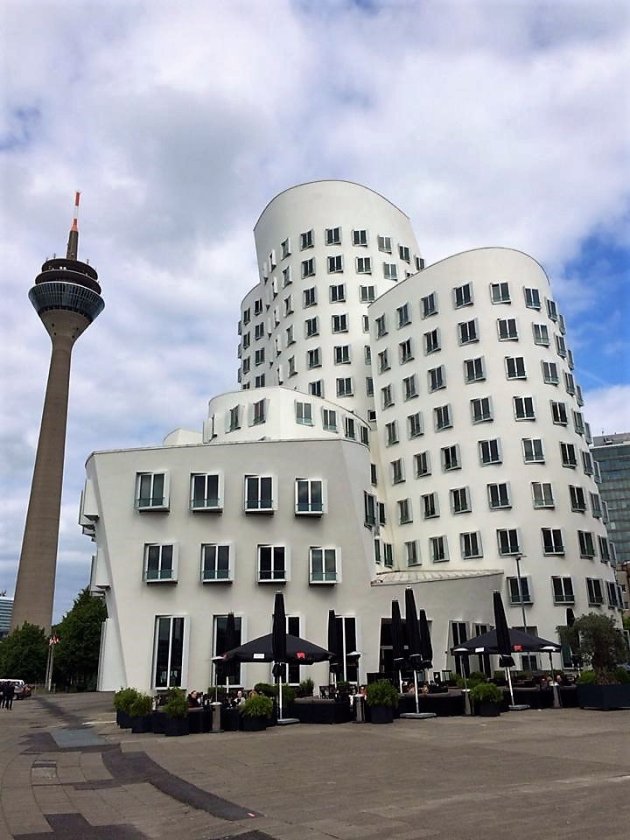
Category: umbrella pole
<point>415,685</point>
<point>554,685</point>
<point>280,698</point>
<point>467,704</point>
<point>509,677</point>
<point>227,688</point>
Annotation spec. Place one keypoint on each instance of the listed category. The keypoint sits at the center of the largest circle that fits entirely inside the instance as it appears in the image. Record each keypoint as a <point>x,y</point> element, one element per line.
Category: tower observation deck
<point>67,297</point>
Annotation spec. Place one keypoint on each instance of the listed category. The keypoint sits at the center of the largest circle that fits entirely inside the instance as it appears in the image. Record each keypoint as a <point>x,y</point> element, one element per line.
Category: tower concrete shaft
<point>67,298</point>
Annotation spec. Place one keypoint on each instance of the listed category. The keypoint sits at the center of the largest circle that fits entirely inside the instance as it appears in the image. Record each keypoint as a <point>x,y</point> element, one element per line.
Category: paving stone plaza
<point>67,771</point>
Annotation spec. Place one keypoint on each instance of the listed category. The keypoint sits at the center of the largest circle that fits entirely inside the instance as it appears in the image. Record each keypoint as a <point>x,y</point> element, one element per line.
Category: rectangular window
<point>490,452</point>
<point>412,554</point>
<point>272,564</point>
<point>541,334</point>
<point>507,330</point>
<point>311,327</point>
<point>360,238</point>
<point>559,413</point>
<point>388,555</point>
<point>397,471</point>
<point>568,455</point>
<point>405,351</point>
<point>515,367</point>
<point>507,541</point>
<point>578,499</point>
<point>524,408</point>
<point>333,236</point>
<point>499,293</point>
<point>604,549</point>
<point>258,412</point>
<point>467,332</point>
<point>403,253</point>
<point>215,563</point>
<point>542,494</point>
<point>309,297</point>
<point>344,386</point>
<point>303,414</point>
<point>390,271</point>
<point>313,358</point>
<point>442,417</point>
<point>159,563</point>
<point>594,592</point>
<point>470,545</point>
<point>404,512</point>
<point>309,496</point>
<point>481,410</point>
<point>259,356</point>
<point>415,425</point>
<point>288,306</point>
<point>533,451</point>
<point>410,388</point>
<point>596,505</point>
<point>291,365</point>
<point>383,361</point>
<point>151,491</point>
<point>437,378</point>
<point>369,504</point>
<point>587,544</point>
<point>569,384</point>
<point>552,310</point>
<point>519,590</point>
<point>350,428</point>
<point>258,493</point>
<point>587,464</point>
<point>532,298</point>
<point>428,305</point>
<point>451,459</point>
<point>335,265</point>
<point>259,381</point>
<point>339,323</point>
<point>422,464</point>
<point>431,341</point>
<point>552,541</point>
<point>306,240</point>
<point>369,388</point>
<point>430,507</point>
<point>550,373</point>
<point>578,422</point>
<point>562,588</point>
<point>381,326</point>
<point>316,388</point>
<point>385,244</point>
<point>285,248</point>
<point>462,296</point>
<point>341,354</point>
<point>308,267</point>
<point>323,565</point>
<point>460,500</point>
<point>474,370</point>
<point>364,266</point>
<point>168,652</point>
<point>403,318</point>
<point>205,491</point>
<point>439,549</point>
<point>329,420</point>
<point>561,347</point>
<point>499,496</point>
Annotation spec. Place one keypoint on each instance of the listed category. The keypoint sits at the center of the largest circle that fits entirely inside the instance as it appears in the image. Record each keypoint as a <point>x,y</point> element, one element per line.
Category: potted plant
<point>140,713</point>
<point>599,642</point>
<point>305,688</point>
<point>256,712</point>
<point>176,711</point>
<point>382,698</point>
<point>487,698</point>
<point>123,700</point>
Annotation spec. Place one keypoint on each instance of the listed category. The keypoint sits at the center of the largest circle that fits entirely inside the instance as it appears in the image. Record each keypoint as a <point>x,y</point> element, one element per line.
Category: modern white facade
<point>431,437</point>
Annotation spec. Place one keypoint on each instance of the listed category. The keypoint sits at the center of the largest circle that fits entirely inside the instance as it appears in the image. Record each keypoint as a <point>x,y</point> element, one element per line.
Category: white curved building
<point>397,426</point>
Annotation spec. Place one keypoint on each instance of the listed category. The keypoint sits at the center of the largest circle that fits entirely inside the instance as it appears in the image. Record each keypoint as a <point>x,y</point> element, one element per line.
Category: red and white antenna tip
<point>75,217</point>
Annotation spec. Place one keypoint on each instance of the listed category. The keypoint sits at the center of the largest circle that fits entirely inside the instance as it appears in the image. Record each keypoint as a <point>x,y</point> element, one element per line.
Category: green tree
<point>599,641</point>
<point>79,632</point>
<point>23,654</point>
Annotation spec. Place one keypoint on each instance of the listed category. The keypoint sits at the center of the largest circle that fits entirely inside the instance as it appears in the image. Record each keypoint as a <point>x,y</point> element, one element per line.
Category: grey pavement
<point>67,771</point>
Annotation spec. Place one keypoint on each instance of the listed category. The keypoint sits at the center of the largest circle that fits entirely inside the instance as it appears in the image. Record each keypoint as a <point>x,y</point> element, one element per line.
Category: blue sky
<point>488,123</point>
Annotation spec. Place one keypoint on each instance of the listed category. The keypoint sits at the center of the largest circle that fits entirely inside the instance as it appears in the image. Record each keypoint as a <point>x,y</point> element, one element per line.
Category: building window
<point>258,411</point>
<point>428,305</point>
<point>341,354</point>
<point>309,496</point>
<point>258,494</point>
<point>481,410</point>
<point>499,496</point>
<point>309,297</point>
<point>322,565</point>
<point>430,507</point>
<point>499,293</point>
<point>259,381</point>
<point>369,504</point>
<point>451,459</point>
<point>381,326</point>
<point>442,417</point>
<point>569,384</point>
<point>542,494</point>
<point>387,398</point>
<point>329,420</point>
<point>562,588</point>
<point>460,500</point>
<point>308,267</point>
<point>586,543</point>
<point>552,541</point>
<point>568,455</point>
<point>532,298</point>
<point>405,351</point>
<point>159,563</point>
<point>436,378</point>
<point>550,373</point>
<point>350,428</point>
<point>604,550</point>
<point>541,334</point>
<point>360,238</point>
<point>470,545</point>
<point>439,549</point>
<point>594,592</point>
<point>462,296</point>
<point>339,323</point>
<point>383,361</point>
<point>613,594</point>
<point>291,365</point>
<point>344,386</point>
<point>364,266</point>
<point>415,425</point>
<point>596,505</point>
<point>215,563</point>
<point>559,413</point>
<point>403,253</point>
<point>507,541</point>
<point>578,422</point>
<point>272,564</point>
<point>578,499</point>
<point>490,452</point>
<point>422,464</point>
<point>316,388</point>
<point>205,491</point>
<point>313,358</point>
<point>333,236</point>
<point>552,310</point>
<point>412,554</point>
<point>587,465</point>
<point>311,327</point>
<point>335,265</point>
<point>533,451</point>
<point>369,388</point>
<point>403,318</point>
<point>168,651</point>
<point>390,271</point>
<point>519,590</point>
<point>515,367</point>
<point>404,512</point>
<point>397,471</point>
<point>288,306</point>
<point>524,408</point>
<point>474,370</point>
<point>303,414</point>
<point>306,240</point>
<point>151,491</point>
<point>385,244</point>
<point>259,356</point>
<point>467,332</point>
<point>285,248</point>
<point>410,388</point>
<point>431,341</point>
<point>507,329</point>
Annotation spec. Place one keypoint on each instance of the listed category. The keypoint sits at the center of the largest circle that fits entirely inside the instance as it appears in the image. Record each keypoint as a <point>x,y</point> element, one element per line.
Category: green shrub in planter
<point>176,705</point>
<point>141,706</point>
<point>288,694</point>
<point>267,689</point>
<point>257,706</point>
<point>382,693</point>
<point>475,678</point>
<point>486,693</point>
<point>621,675</point>
<point>124,699</point>
<point>343,687</point>
<point>587,678</point>
<point>305,688</point>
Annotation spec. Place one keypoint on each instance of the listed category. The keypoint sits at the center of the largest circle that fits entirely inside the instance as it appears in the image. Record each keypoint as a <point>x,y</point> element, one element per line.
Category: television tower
<point>67,297</point>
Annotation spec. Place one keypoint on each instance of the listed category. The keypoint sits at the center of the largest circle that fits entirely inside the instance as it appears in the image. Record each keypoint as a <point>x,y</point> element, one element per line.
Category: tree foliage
<point>23,654</point>
<point>597,639</point>
<point>79,632</point>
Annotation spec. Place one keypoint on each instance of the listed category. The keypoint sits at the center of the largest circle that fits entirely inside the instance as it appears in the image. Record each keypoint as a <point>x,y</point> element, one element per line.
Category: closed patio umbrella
<point>231,640</point>
<point>413,640</point>
<point>425,640</point>
<point>504,644</point>
<point>279,642</point>
<point>334,646</point>
<point>398,641</point>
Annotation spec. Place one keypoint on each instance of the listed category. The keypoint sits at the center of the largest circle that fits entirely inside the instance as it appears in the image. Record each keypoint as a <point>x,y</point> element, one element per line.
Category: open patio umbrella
<point>414,640</point>
<point>520,642</point>
<point>279,643</point>
<point>334,646</point>
<point>398,641</point>
<point>299,651</point>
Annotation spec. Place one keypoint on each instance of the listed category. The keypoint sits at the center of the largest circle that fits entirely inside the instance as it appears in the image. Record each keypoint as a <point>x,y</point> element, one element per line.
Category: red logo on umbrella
<point>300,655</point>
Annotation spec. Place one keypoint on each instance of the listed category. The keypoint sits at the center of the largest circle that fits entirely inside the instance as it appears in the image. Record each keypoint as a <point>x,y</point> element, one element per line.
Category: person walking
<point>9,694</point>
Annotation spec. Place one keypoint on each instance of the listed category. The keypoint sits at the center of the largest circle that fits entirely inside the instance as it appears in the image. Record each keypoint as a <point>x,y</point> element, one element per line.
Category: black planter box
<point>321,711</point>
<point>140,725</point>
<point>604,697</point>
<point>195,721</point>
<point>254,724</point>
<point>123,720</point>
<point>158,722</point>
<point>381,714</point>
<point>176,726</point>
<point>487,709</point>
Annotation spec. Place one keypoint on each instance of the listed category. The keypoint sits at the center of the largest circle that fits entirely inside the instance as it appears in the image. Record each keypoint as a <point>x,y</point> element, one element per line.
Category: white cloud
<point>608,409</point>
